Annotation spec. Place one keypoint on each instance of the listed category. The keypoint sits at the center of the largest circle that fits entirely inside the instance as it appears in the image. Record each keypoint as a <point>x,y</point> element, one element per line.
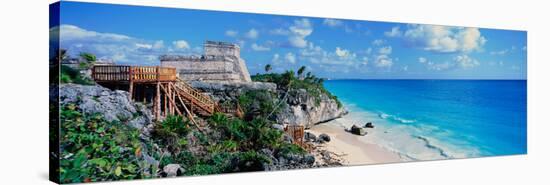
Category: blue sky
<point>330,48</point>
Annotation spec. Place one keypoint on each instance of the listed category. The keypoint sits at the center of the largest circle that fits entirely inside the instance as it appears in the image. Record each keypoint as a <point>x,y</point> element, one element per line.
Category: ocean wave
<point>429,145</point>
<point>395,118</point>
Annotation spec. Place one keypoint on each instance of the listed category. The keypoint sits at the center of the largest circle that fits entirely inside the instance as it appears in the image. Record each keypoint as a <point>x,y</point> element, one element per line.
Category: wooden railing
<point>297,134</point>
<point>202,99</point>
<point>133,73</point>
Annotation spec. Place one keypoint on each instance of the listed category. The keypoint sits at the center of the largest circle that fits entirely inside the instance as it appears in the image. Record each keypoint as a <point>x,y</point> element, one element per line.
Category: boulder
<point>278,127</point>
<point>358,130</point>
<point>308,136</point>
<point>173,170</point>
<point>114,105</point>
<point>369,125</point>
<point>324,137</point>
<point>305,109</point>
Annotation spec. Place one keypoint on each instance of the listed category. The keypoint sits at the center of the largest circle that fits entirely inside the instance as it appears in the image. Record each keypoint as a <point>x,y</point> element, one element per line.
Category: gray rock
<point>304,109</point>
<point>369,125</point>
<point>287,138</point>
<point>308,136</point>
<point>278,127</point>
<point>358,130</point>
<point>115,106</point>
<point>324,137</point>
<point>173,170</point>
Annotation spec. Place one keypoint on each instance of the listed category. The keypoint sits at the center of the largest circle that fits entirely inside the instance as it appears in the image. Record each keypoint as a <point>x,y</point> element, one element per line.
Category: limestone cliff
<point>299,107</point>
<point>304,109</point>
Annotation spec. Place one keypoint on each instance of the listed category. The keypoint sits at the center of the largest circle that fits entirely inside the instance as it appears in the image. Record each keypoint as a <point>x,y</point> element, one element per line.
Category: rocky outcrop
<point>113,105</point>
<point>358,130</point>
<point>227,91</point>
<point>301,108</point>
<point>305,109</point>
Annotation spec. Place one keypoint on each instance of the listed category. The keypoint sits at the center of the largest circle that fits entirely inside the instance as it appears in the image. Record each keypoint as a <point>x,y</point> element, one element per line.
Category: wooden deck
<point>129,74</point>
<point>170,94</point>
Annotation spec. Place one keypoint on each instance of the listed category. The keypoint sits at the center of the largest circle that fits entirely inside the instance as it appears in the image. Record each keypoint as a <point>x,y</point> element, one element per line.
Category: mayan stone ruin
<point>221,62</point>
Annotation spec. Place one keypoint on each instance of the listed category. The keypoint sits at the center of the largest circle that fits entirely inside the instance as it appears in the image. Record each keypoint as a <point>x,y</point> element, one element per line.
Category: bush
<point>172,133</point>
<point>93,149</point>
<point>286,148</point>
<point>70,75</point>
<point>288,80</point>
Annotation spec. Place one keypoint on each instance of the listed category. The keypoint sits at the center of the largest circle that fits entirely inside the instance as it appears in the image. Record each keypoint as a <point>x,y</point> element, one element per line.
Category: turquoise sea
<point>439,119</point>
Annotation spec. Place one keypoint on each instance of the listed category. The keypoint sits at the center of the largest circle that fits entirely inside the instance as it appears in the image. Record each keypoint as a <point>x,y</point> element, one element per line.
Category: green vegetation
<point>71,75</point>
<point>89,61</point>
<point>288,80</point>
<point>93,149</point>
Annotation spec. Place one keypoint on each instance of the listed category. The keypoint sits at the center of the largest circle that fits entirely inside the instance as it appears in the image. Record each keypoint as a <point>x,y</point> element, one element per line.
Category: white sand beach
<point>351,148</point>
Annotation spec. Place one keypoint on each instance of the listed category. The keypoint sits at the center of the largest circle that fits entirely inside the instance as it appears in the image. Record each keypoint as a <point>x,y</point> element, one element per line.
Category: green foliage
<point>172,132</point>
<point>268,68</point>
<point>93,149</point>
<point>88,57</point>
<point>301,70</point>
<point>258,103</point>
<point>70,75</point>
<point>250,161</point>
<point>312,84</point>
<point>286,149</point>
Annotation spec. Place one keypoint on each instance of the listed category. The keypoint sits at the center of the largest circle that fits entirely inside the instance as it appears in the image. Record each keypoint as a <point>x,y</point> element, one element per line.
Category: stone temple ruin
<point>221,62</point>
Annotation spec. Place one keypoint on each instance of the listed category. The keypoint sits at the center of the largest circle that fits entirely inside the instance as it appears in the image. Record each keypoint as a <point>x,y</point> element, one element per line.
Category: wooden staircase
<point>172,95</point>
<point>194,100</point>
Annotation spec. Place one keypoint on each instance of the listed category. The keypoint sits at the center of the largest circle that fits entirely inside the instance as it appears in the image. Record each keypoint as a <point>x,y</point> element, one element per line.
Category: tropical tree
<point>301,71</point>
<point>88,57</point>
<point>268,68</point>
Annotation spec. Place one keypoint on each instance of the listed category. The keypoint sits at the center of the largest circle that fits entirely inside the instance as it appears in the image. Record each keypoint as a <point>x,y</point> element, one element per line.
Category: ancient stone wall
<point>221,62</point>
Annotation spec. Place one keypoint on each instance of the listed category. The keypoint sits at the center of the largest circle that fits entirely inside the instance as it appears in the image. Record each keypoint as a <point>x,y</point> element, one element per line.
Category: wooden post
<point>131,88</point>
<point>165,105</point>
<point>157,102</point>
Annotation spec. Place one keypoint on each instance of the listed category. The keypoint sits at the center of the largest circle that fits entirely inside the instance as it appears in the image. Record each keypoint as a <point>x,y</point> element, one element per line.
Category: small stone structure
<point>221,62</point>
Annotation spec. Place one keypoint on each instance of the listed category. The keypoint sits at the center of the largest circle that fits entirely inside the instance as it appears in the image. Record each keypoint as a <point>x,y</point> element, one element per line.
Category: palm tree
<point>268,68</point>
<point>301,72</point>
<point>88,57</point>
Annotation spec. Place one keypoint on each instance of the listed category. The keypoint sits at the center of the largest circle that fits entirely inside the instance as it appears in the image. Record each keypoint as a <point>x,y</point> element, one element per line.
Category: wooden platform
<point>159,85</point>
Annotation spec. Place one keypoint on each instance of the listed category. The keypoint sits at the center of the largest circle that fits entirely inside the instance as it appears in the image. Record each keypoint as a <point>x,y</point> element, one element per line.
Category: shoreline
<point>351,148</point>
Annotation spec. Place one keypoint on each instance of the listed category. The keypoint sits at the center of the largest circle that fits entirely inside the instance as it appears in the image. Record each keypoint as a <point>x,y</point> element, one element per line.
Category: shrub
<point>93,149</point>
<point>70,75</point>
<point>171,133</point>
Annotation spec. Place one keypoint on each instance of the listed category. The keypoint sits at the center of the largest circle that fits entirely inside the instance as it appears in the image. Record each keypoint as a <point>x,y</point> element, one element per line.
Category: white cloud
<point>276,58</point>
<point>145,46</point>
<point>394,32</point>
<point>465,61</point>
<point>378,42</point>
<point>422,60</point>
<point>444,38</point>
<point>501,52</point>
<point>369,51</point>
<point>332,22</point>
<point>252,34</point>
<point>299,31</point>
<point>290,57</point>
<point>365,61</point>
<point>231,33</point>
<point>257,47</point>
<point>383,61</point>
<point>158,44</point>
<point>71,32</point>
<point>279,31</point>
<point>120,48</point>
<point>181,44</point>
<point>342,52</point>
<point>385,50</point>
<point>440,66</point>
